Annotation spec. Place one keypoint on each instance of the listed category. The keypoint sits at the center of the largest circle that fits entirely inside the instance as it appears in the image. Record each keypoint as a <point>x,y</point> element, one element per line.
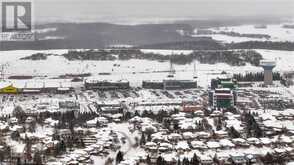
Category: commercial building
<point>223,93</point>
<point>223,83</point>
<point>8,89</point>
<point>222,98</point>
<point>170,84</point>
<point>106,84</point>
<point>152,84</point>
<point>34,86</point>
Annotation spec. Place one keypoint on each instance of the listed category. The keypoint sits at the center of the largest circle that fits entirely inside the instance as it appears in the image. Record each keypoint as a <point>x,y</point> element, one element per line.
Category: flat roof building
<point>170,84</point>
<point>33,86</point>
<point>222,98</point>
<point>106,84</point>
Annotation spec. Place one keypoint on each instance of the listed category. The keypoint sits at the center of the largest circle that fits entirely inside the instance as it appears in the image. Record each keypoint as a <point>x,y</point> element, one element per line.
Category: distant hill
<point>187,45</point>
<point>152,36</point>
<point>214,45</point>
<point>231,21</point>
<point>100,35</point>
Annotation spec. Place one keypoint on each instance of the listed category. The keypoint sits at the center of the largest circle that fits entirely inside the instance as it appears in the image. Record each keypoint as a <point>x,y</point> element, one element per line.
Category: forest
<point>231,57</point>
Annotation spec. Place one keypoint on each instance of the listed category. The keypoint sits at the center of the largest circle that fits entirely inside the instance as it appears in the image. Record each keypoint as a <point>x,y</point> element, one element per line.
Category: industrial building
<point>69,105</point>
<point>223,83</point>
<point>149,84</point>
<point>170,84</point>
<point>222,98</point>
<point>223,93</point>
<point>34,86</point>
<point>106,84</point>
<point>268,67</point>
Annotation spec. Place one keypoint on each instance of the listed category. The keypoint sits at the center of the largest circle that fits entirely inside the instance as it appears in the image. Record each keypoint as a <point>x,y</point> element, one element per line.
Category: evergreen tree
<point>195,160</point>
<point>148,159</point>
<point>186,161</point>
<point>176,126</point>
<point>145,113</point>
<point>37,158</point>
<point>137,113</point>
<point>166,123</point>
<point>18,162</point>
<point>62,146</point>
<point>56,149</point>
<point>149,138</point>
<point>28,148</point>
<point>15,135</point>
<point>234,133</point>
<point>128,115</point>
<point>2,156</point>
<point>143,139</point>
<point>160,161</point>
<point>258,132</point>
<point>268,158</point>
<point>20,114</point>
<point>82,143</point>
<point>119,157</point>
<point>151,114</point>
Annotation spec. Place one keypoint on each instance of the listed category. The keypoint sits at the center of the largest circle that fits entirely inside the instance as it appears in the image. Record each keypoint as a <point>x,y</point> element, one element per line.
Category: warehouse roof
<point>35,84</point>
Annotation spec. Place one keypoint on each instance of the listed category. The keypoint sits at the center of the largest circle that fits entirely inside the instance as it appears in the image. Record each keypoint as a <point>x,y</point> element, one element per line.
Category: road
<point>125,148</point>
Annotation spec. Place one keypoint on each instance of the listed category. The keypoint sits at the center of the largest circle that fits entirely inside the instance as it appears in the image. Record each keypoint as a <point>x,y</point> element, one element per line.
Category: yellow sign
<point>9,90</point>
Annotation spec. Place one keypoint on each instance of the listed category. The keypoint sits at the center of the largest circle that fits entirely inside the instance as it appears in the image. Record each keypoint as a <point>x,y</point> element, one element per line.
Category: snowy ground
<point>133,70</point>
<point>229,39</point>
<point>284,59</point>
<point>167,52</point>
<point>277,33</point>
<point>127,148</point>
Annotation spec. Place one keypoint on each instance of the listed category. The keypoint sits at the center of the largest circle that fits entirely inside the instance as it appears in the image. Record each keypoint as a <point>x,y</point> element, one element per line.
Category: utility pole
<point>194,71</point>
<point>2,70</point>
<point>172,70</point>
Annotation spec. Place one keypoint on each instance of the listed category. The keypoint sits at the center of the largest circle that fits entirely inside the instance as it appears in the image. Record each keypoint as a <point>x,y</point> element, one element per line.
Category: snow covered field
<point>229,39</point>
<point>277,33</point>
<point>167,52</point>
<point>284,59</point>
<point>133,70</point>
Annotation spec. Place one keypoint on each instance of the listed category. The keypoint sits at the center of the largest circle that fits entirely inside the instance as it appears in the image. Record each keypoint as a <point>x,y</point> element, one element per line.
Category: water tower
<point>268,67</point>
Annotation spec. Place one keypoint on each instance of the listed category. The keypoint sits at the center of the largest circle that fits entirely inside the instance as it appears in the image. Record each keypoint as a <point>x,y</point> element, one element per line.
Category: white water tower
<point>268,66</point>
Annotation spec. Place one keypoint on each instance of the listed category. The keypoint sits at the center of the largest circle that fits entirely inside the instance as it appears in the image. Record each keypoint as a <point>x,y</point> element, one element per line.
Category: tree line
<point>258,76</point>
<point>231,57</point>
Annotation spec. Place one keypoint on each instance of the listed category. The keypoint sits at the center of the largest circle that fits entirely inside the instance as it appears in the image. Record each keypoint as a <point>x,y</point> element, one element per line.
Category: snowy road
<point>125,148</point>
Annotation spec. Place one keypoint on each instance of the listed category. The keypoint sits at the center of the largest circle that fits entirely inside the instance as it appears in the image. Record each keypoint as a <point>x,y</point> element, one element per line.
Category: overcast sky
<point>156,10</point>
